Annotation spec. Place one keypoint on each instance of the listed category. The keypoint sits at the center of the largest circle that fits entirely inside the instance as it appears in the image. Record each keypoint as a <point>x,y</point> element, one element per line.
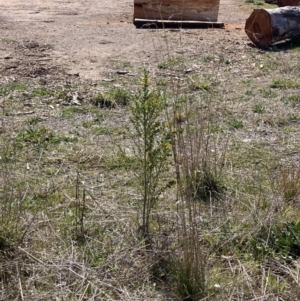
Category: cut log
<point>265,27</point>
<point>177,10</point>
<point>289,2</point>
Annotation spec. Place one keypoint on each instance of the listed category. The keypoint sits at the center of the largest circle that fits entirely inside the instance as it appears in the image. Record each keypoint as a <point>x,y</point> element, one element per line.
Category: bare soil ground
<point>85,37</point>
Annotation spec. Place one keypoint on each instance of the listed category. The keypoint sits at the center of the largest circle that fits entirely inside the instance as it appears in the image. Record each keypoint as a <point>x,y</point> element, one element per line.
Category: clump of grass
<point>113,98</point>
<point>13,196</point>
<point>196,84</point>
<point>62,95</point>
<point>171,63</point>
<point>199,177</point>
<point>287,183</point>
<point>39,136</point>
<point>268,93</point>
<point>189,277</point>
<point>206,184</point>
<point>284,84</point>
<point>235,123</point>
<point>293,99</point>
<point>294,117</point>
<point>259,108</point>
<point>207,58</point>
<point>42,92</point>
<point>16,86</point>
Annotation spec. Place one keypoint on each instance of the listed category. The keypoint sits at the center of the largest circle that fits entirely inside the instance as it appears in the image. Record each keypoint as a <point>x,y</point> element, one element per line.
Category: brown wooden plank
<point>170,23</point>
<point>177,10</point>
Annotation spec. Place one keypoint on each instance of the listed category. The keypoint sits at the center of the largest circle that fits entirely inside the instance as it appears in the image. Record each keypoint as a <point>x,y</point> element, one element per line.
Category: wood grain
<point>185,10</point>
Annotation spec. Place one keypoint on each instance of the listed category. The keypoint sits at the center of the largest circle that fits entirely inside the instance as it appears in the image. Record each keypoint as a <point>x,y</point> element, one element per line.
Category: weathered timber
<point>271,1</point>
<point>265,27</point>
<point>289,2</point>
<point>177,10</point>
<point>146,23</point>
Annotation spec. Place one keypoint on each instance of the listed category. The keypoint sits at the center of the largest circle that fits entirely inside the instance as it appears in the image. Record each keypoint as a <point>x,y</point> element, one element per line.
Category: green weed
<point>113,98</point>
<point>268,93</point>
<point>171,63</point>
<point>42,92</point>
<point>284,84</point>
<point>259,108</point>
<point>293,99</point>
<point>283,240</point>
<point>39,136</point>
<point>235,123</point>
<point>71,111</point>
<point>196,84</point>
<point>207,58</point>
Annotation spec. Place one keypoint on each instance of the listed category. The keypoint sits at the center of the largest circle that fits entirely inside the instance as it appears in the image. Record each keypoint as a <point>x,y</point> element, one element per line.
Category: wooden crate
<point>177,10</point>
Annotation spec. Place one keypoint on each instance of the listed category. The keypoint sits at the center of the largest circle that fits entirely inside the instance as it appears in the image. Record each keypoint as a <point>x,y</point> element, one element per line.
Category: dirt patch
<point>85,37</point>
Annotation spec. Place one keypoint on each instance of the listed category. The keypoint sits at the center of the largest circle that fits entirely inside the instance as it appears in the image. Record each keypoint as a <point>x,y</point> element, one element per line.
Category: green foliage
<point>283,241</point>
<point>152,147</point>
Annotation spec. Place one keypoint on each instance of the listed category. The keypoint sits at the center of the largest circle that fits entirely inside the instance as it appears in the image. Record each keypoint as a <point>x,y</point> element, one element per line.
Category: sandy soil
<point>87,37</point>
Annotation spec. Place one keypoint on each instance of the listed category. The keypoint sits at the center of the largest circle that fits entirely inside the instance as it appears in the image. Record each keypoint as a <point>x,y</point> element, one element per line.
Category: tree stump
<point>265,27</point>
